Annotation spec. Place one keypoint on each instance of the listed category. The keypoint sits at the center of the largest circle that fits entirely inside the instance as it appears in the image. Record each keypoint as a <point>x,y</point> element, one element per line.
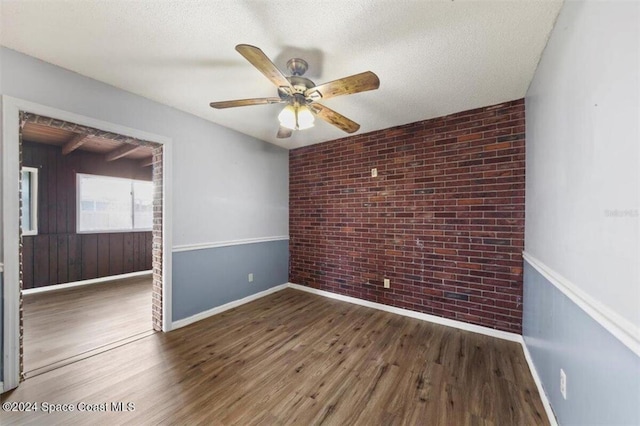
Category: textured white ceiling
<point>433,57</point>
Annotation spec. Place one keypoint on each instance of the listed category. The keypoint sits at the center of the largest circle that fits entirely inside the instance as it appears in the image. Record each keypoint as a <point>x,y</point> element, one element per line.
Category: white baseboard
<point>413,314</point>
<point>536,378</point>
<point>450,323</point>
<point>513,337</point>
<point>218,309</point>
<point>84,282</point>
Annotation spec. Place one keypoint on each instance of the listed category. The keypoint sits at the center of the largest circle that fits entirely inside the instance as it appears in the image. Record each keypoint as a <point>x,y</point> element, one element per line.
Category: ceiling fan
<point>301,94</point>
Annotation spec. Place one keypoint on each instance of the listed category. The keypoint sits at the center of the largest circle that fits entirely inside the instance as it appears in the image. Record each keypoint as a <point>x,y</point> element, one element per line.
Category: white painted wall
<point>227,186</point>
<point>583,154</point>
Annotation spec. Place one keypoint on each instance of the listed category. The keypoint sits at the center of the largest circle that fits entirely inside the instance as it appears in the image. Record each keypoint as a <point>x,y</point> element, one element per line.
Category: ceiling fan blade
<point>284,133</point>
<point>245,102</point>
<point>258,59</point>
<point>346,86</point>
<point>332,117</point>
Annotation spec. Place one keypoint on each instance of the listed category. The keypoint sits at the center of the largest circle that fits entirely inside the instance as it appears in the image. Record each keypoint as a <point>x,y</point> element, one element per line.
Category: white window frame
<point>108,231</point>
<point>33,200</point>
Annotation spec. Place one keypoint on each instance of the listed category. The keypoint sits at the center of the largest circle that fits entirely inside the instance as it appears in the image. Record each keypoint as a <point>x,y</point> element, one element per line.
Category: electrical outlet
<point>387,283</point>
<point>563,383</point>
<point>251,277</point>
<point>374,172</point>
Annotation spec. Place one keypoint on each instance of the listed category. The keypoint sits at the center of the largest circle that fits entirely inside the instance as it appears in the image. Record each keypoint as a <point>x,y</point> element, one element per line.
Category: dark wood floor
<point>297,358</point>
<point>60,325</point>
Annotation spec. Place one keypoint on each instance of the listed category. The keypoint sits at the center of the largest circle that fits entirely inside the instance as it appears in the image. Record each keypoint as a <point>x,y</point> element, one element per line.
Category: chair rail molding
<point>215,244</point>
<point>623,329</point>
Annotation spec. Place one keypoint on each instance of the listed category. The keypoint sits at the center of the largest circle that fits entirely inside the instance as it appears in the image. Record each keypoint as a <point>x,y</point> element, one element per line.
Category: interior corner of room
<point>455,222</point>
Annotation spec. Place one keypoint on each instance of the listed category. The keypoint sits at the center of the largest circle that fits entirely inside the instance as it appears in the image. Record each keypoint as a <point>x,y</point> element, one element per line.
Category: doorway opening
<point>91,213</point>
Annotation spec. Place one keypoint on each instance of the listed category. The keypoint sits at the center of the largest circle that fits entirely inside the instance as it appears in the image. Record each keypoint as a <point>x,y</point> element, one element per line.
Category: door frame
<point>10,266</point>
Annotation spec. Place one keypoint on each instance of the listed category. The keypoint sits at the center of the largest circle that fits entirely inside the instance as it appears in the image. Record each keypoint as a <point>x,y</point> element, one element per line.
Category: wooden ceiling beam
<point>146,162</point>
<point>120,152</point>
<point>75,143</point>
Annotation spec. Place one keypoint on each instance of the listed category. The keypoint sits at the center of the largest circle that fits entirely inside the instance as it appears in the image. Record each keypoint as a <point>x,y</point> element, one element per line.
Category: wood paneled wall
<point>57,254</point>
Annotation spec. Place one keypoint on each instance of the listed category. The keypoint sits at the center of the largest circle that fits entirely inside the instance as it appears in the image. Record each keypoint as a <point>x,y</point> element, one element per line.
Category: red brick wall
<point>444,219</point>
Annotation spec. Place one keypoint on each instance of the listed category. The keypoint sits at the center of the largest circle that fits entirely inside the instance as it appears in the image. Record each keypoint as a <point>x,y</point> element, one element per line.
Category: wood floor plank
<point>62,324</point>
<point>297,358</point>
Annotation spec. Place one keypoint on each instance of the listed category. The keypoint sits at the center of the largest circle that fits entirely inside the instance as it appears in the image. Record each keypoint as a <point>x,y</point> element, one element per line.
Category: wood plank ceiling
<point>70,141</point>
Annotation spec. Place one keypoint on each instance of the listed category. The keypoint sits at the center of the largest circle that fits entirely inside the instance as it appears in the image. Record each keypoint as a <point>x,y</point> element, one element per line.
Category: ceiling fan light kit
<point>296,117</point>
<point>301,94</point>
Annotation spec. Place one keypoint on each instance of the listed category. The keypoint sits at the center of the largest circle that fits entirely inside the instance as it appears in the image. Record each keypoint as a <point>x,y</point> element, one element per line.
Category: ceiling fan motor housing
<point>299,84</point>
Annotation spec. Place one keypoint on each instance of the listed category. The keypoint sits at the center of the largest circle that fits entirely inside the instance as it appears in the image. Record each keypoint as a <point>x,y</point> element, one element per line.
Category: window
<point>29,187</point>
<point>108,204</point>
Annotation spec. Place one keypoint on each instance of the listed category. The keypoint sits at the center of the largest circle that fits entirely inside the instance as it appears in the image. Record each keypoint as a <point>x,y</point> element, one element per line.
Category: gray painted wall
<point>226,185</point>
<point>212,277</point>
<point>603,375</point>
<point>583,167</point>
<point>583,154</point>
